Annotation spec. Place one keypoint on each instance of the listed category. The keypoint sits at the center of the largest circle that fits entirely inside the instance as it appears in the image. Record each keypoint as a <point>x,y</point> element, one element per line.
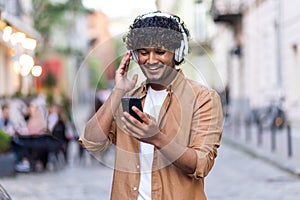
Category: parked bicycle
<point>271,116</point>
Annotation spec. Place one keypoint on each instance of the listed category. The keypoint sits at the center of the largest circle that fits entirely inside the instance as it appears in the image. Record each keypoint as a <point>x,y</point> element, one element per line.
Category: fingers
<point>131,119</point>
<point>130,123</point>
<point>123,68</point>
<point>128,130</point>
<point>137,129</point>
<point>144,116</point>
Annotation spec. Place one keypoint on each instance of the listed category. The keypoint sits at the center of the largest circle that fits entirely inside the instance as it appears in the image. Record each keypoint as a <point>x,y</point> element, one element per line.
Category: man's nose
<point>152,58</point>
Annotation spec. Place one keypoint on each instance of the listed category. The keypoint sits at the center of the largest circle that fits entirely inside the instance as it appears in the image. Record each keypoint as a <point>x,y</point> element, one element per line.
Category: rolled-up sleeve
<point>206,131</point>
<point>98,146</point>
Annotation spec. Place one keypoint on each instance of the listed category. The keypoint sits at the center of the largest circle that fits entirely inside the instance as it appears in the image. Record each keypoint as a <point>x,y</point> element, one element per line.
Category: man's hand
<point>121,80</point>
<point>146,131</point>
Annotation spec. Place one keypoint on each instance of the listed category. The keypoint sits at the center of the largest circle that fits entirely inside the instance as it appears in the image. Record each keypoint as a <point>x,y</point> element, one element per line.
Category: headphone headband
<point>184,46</point>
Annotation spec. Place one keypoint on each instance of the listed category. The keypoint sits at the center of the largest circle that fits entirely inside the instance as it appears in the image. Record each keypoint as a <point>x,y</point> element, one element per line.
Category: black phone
<point>128,102</point>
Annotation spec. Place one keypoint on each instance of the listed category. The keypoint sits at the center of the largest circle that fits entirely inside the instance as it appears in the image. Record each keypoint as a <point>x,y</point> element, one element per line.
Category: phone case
<point>128,102</point>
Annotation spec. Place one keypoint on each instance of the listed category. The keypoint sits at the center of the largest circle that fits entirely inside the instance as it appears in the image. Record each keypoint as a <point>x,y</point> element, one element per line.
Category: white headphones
<point>179,52</point>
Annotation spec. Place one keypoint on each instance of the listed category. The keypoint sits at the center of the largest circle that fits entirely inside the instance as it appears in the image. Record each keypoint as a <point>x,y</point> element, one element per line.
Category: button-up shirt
<point>191,116</point>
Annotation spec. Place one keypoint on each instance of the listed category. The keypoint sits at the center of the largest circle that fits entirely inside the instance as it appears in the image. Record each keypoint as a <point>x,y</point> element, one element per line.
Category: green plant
<point>5,142</point>
<point>50,80</point>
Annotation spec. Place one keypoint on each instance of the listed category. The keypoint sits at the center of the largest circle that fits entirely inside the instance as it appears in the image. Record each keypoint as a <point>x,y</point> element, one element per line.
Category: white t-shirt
<point>152,106</point>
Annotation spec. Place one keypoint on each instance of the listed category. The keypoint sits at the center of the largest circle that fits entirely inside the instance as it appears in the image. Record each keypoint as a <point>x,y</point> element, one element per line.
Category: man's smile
<point>153,68</point>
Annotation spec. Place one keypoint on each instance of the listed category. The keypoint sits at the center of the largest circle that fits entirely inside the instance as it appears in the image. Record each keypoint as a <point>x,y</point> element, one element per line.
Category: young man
<point>168,154</point>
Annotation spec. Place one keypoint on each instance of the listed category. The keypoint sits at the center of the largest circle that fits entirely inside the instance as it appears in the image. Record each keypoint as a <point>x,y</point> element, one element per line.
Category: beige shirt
<point>192,116</point>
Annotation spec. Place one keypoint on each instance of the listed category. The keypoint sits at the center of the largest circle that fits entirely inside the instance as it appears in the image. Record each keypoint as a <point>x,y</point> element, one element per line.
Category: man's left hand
<point>146,131</point>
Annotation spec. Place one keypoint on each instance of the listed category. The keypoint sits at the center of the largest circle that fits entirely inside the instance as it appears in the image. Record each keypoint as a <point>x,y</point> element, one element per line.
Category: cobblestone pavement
<point>235,176</point>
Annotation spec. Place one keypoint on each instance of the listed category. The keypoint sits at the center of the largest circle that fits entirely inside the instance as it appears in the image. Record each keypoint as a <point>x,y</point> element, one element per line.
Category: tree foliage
<point>49,14</point>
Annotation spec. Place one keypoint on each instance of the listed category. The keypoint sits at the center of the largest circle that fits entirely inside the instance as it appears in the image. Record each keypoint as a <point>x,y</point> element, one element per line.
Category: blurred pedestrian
<point>168,153</point>
<point>6,124</point>
<point>57,124</point>
<point>36,123</point>
<point>30,157</point>
<point>52,117</point>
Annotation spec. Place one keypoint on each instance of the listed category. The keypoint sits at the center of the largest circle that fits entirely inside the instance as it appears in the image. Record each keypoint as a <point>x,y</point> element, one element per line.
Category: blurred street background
<point>57,63</point>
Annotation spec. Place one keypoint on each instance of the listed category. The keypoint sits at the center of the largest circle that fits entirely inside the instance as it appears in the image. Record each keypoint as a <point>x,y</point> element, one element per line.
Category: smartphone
<point>128,102</point>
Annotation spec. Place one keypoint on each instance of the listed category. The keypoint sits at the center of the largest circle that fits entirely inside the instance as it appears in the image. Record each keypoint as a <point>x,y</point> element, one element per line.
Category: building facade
<point>199,65</point>
<point>18,41</point>
<point>261,57</point>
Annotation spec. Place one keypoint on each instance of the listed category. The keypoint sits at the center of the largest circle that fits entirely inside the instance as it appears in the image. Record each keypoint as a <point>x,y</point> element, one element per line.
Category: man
<point>168,154</point>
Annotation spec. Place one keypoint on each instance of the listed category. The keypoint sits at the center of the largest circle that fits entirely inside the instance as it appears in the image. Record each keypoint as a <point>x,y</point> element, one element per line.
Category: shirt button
<point>138,166</point>
<point>134,188</point>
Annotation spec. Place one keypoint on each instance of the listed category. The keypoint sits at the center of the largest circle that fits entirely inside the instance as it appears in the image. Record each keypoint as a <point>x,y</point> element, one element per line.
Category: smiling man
<point>168,153</point>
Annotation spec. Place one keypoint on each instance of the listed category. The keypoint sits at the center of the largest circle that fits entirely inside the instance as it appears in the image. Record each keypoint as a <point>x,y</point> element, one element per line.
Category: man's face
<point>156,63</point>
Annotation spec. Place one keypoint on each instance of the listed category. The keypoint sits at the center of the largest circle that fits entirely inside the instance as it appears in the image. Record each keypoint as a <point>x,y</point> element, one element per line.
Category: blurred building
<point>289,67</point>
<point>257,44</point>
<point>199,65</point>
<point>101,47</point>
<point>107,26</point>
<point>64,28</point>
<point>18,41</point>
<point>69,43</point>
<point>227,52</point>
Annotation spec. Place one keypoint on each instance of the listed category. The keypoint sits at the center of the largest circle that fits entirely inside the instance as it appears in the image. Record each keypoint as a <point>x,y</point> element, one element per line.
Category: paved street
<point>239,176</point>
<point>236,175</point>
<point>84,179</point>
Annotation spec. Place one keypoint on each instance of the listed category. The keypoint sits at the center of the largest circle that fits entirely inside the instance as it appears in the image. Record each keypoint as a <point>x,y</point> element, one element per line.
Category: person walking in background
<point>168,153</point>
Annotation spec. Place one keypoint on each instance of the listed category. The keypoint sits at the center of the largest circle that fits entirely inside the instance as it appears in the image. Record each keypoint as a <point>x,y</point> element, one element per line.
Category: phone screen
<point>128,102</point>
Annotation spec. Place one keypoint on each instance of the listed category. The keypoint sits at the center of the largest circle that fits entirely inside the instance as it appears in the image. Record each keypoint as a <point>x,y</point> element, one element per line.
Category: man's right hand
<point>121,80</point>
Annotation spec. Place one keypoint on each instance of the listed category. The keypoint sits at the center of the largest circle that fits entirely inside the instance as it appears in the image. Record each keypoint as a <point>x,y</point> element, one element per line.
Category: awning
<point>20,25</point>
<point>227,10</point>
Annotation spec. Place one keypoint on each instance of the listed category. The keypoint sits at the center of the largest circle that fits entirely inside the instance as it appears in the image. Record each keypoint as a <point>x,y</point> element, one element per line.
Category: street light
<point>7,31</point>
<point>36,71</point>
<point>17,37</point>
<point>21,48</point>
<point>27,63</point>
<point>29,43</point>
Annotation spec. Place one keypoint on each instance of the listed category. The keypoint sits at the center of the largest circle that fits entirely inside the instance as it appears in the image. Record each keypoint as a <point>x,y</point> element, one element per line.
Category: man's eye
<point>143,52</point>
<point>160,52</point>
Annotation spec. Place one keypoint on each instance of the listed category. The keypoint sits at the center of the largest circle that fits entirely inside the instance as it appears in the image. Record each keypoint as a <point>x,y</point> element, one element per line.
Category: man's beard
<point>153,78</point>
<point>159,78</point>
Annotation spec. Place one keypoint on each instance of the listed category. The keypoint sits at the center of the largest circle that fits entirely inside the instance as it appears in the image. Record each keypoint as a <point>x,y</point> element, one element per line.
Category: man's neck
<point>156,86</point>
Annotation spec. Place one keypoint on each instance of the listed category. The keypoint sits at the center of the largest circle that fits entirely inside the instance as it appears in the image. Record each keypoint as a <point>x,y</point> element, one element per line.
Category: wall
<point>271,59</point>
<point>291,57</point>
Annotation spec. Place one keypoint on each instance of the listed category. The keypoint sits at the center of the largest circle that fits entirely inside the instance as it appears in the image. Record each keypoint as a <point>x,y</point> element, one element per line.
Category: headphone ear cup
<point>179,52</point>
<point>135,57</point>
